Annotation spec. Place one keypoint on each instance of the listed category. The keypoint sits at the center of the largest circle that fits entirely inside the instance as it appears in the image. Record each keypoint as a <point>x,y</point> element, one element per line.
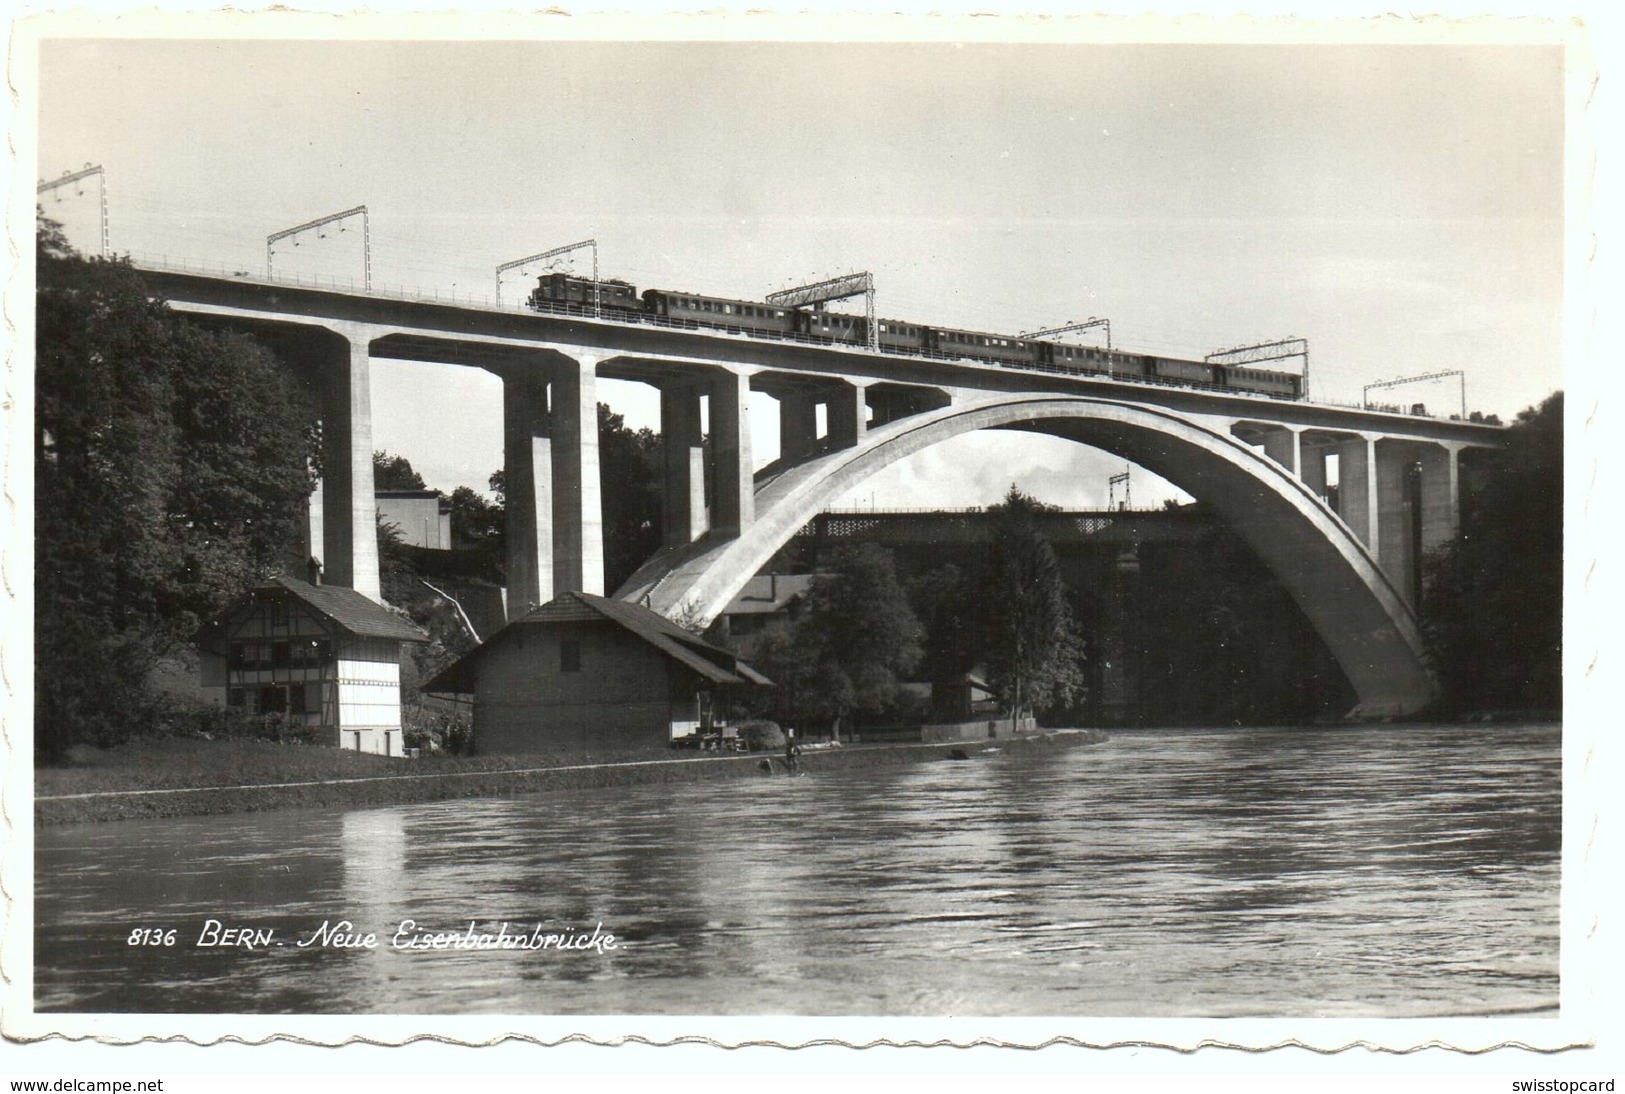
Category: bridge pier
<point>1399,495</point>
<point>1357,488</point>
<point>1441,493</point>
<point>1398,528</point>
<point>733,474</point>
<point>683,500</point>
<point>1284,446</point>
<point>550,467</point>
<point>798,425</point>
<point>578,510</point>
<point>343,367</point>
<point>848,416</point>
<point>1312,467</point>
<point>527,470</point>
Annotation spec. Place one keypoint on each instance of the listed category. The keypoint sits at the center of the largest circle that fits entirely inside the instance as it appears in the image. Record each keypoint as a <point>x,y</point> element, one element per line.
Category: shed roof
<point>708,661</point>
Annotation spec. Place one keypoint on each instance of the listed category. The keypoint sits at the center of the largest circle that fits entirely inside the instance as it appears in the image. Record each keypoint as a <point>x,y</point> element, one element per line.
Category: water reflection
<point>1396,871</point>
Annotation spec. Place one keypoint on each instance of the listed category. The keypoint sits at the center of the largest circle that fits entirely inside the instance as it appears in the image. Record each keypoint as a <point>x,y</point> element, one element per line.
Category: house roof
<point>352,611</point>
<point>765,594</point>
<point>344,608</point>
<point>708,661</point>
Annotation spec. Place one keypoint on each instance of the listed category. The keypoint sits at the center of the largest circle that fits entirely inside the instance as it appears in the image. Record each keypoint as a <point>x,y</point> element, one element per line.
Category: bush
<point>228,723</point>
<point>761,736</point>
<point>430,730</point>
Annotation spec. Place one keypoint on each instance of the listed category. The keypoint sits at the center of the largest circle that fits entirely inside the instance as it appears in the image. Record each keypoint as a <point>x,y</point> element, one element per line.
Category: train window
<point>727,309</point>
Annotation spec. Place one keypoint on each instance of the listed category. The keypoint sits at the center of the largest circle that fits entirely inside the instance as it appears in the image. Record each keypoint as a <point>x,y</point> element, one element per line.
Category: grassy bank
<point>176,777</point>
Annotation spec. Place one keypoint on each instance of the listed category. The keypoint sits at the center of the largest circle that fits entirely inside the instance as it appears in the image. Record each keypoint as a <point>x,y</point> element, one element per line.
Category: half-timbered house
<point>325,657</point>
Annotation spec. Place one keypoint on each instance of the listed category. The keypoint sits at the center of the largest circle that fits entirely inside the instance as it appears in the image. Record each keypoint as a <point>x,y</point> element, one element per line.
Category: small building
<point>764,599</point>
<point>422,517</point>
<point>585,671</point>
<point>325,657</point>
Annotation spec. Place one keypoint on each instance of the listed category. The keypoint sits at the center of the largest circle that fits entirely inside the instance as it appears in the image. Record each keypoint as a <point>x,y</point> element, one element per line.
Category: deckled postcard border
<point>1590,762</point>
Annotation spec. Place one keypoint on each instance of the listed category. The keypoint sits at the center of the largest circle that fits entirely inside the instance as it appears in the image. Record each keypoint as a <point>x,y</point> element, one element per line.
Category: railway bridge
<point>1350,557</point>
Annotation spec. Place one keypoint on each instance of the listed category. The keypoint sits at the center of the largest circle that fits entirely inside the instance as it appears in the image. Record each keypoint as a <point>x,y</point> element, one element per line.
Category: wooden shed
<point>585,671</point>
<point>325,657</point>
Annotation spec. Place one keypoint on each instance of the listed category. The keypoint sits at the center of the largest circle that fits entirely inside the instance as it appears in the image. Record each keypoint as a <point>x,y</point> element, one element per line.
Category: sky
<point>1399,206</point>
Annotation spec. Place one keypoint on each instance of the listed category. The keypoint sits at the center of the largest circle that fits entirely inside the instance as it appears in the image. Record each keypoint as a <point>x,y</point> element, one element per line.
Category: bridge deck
<point>648,350</point>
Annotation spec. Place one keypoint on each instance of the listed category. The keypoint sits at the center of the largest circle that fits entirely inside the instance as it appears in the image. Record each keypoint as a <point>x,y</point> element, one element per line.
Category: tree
<point>1492,604</point>
<point>1034,651</point>
<point>170,466</point>
<point>847,652</point>
<point>390,472</point>
<point>241,468</point>
<point>631,483</point>
<point>950,609</point>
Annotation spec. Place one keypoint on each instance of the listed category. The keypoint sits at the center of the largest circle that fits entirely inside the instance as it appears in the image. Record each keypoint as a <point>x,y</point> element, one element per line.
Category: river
<point>1388,871</point>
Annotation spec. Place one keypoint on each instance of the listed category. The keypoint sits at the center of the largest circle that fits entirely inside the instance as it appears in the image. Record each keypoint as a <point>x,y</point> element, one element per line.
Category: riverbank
<point>191,777</point>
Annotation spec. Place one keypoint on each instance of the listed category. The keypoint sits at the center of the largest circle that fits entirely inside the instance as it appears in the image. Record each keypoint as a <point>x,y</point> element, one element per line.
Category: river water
<point>1392,871</point>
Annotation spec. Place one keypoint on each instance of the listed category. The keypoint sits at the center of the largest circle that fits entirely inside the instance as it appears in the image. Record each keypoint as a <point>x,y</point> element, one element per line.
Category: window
<point>309,651</point>
<point>279,612</point>
<point>570,655</point>
<point>250,655</point>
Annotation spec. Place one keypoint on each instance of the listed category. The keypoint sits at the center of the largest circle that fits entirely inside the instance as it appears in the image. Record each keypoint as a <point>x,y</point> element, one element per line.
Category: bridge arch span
<point>1344,593</point>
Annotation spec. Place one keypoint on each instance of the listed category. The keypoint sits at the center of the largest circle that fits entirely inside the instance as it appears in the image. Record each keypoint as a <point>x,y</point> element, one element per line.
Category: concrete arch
<point>1332,576</point>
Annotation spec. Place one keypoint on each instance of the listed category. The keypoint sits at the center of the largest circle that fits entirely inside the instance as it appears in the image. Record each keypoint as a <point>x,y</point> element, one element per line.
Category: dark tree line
<point>171,471</point>
<point>1492,604</point>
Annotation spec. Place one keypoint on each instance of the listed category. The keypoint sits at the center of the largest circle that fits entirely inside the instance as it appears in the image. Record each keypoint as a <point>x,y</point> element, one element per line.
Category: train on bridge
<point>565,293</point>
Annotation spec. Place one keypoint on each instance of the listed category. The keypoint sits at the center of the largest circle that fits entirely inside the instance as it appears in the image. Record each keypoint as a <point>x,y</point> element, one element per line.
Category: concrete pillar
<point>683,513</point>
<point>1396,520</point>
<point>349,504</point>
<point>798,425</point>
<point>1282,447</point>
<point>1312,466</point>
<point>1356,488</point>
<point>1441,507</point>
<point>848,417</point>
<point>578,512</point>
<point>733,476</point>
<point>1373,524</point>
<point>527,467</point>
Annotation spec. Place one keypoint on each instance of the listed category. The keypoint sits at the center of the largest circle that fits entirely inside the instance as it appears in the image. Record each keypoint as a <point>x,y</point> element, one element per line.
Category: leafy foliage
<point>1033,648</point>
<point>1217,640</point>
<point>171,468</point>
<point>391,472</point>
<point>631,475</point>
<point>1492,605</point>
<point>847,652</point>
